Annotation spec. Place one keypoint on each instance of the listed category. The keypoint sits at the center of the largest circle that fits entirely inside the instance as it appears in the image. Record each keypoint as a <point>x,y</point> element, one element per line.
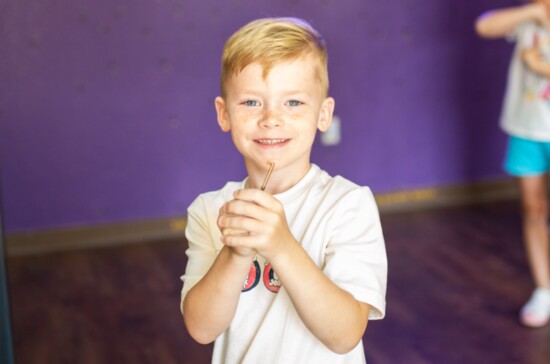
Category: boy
<point>292,273</point>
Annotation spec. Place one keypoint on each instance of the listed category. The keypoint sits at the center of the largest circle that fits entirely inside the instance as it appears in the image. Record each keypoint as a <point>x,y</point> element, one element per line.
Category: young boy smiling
<point>292,273</point>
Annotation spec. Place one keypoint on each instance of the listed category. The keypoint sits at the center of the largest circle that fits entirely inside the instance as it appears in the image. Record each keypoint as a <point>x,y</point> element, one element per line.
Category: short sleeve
<point>201,252</point>
<point>520,32</point>
<point>356,255</point>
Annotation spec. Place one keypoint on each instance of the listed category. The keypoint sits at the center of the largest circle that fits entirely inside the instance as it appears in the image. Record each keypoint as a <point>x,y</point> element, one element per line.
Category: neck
<point>281,180</point>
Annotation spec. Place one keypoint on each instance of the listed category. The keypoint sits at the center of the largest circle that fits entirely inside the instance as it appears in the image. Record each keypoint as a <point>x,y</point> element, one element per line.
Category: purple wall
<point>106,108</point>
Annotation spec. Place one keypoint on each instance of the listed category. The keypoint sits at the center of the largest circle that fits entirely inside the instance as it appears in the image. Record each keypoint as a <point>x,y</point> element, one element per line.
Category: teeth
<point>271,141</point>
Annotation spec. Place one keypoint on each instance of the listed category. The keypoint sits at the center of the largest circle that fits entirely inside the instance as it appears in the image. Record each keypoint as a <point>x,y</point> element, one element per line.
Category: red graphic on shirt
<point>545,94</point>
<point>271,281</point>
<point>253,277</point>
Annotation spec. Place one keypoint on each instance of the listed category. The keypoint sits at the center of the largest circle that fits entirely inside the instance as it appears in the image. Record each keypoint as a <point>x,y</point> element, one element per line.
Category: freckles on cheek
<point>296,116</point>
<point>245,117</point>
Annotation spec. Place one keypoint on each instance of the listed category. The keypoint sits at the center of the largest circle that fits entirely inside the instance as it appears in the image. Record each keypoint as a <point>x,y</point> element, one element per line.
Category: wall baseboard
<point>447,196</point>
<point>94,236</point>
<point>38,242</point>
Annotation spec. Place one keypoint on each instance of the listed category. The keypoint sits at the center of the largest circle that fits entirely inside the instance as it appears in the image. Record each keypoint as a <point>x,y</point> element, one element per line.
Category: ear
<point>223,118</point>
<point>325,116</point>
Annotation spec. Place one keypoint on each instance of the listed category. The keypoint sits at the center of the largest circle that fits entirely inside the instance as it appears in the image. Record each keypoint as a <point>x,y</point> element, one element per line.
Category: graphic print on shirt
<point>253,277</point>
<point>536,86</point>
<point>545,94</point>
<point>271,281</point>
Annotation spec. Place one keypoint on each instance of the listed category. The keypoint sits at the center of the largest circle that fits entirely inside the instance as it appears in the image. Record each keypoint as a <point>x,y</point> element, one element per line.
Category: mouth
<point>271,142</point>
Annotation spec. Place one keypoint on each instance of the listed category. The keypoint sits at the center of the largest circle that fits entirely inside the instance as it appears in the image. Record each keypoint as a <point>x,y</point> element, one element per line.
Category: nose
<point>271,119</point>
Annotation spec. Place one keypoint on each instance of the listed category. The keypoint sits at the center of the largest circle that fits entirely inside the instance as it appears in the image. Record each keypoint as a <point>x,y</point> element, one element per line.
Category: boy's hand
<point>241,251</point>
<point>259,214</point>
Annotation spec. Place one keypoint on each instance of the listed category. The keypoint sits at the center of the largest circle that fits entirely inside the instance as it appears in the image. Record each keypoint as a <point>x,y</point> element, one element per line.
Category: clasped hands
<point>254,222</point>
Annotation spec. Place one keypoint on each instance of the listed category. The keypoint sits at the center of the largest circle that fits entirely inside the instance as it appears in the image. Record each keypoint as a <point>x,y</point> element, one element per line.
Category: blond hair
<point>269,41</point>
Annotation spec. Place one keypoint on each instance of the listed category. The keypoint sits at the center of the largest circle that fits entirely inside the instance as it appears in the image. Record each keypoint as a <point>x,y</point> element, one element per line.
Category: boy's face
<point>275,118</point>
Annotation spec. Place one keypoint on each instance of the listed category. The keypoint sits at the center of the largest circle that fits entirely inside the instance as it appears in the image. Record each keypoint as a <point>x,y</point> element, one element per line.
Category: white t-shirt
<point>337,223</point>
<point>526,108</point>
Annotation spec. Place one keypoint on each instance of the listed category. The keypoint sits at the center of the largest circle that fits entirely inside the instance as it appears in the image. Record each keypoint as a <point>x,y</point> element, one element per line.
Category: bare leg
<point>534,199</point>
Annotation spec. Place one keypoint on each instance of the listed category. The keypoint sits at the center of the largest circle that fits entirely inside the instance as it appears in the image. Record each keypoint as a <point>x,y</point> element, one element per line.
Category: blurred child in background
<point>526,119</point>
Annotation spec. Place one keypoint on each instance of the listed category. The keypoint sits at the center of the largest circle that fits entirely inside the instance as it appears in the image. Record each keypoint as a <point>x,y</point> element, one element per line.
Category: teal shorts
<point>526,157</point>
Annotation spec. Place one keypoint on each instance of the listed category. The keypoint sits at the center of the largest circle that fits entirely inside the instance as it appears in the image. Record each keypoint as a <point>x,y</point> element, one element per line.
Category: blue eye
<point>294,103</point>
<point>251,103</point>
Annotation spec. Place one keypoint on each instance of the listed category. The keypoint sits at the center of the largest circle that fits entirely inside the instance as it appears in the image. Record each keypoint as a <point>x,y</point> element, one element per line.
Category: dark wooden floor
<point>457,278</point>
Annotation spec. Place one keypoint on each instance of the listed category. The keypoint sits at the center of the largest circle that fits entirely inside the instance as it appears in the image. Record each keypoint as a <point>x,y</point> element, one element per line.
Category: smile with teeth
<point>271,141</point>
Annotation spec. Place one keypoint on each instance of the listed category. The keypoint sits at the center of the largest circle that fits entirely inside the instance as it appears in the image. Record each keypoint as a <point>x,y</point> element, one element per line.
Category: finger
<point>260,206</point>
<point>221,214</point>
<point>227,210</point>
<point>239,241</point>
<point>241,223</point>
<point>235,232</point>
<point>257,196</point>
<point>221,211</point>
<point>224,227</point>
<point>245,208</point>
